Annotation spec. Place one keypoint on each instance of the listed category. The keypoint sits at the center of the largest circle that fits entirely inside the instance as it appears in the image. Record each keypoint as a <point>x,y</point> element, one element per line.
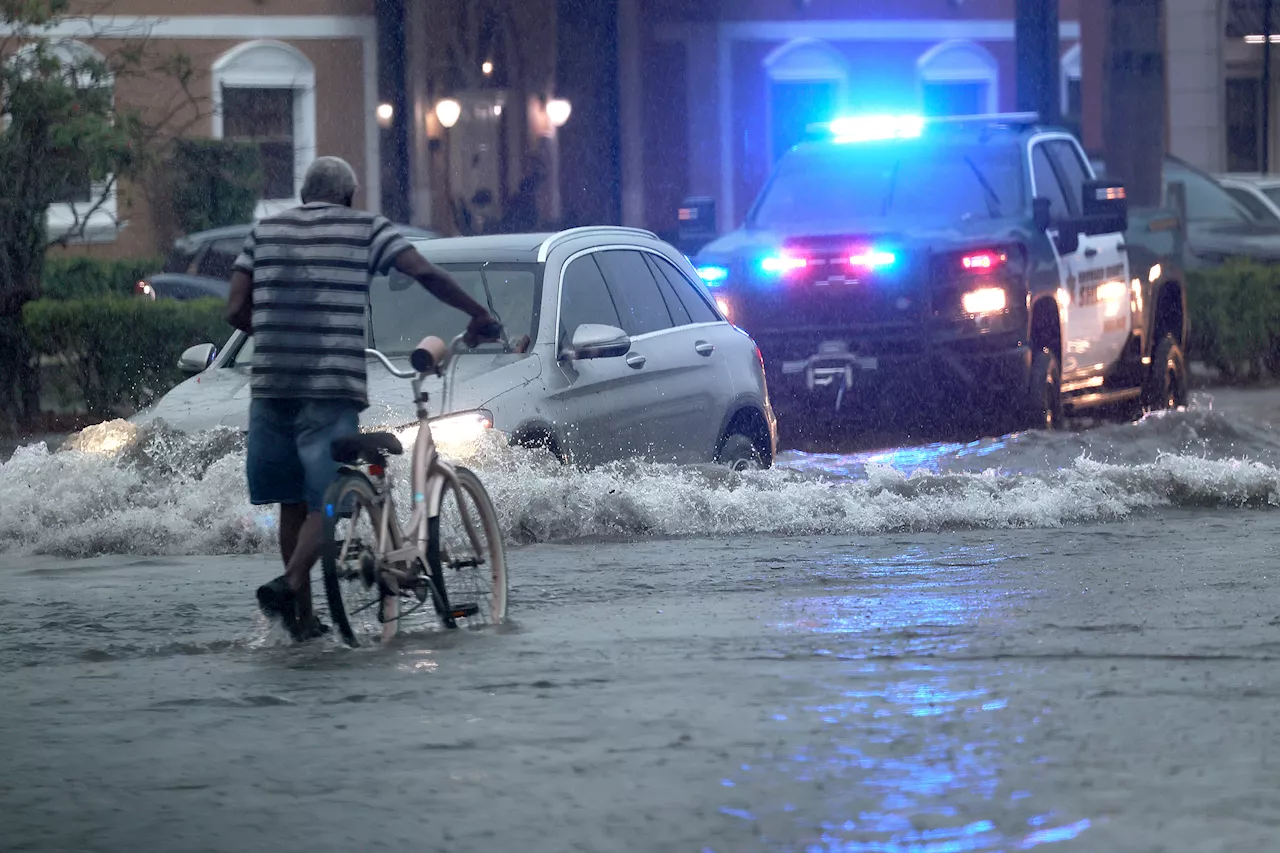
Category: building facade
<point>298,78</point>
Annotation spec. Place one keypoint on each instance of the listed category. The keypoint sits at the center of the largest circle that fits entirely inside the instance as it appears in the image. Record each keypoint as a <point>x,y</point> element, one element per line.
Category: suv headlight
<point>462,429</point>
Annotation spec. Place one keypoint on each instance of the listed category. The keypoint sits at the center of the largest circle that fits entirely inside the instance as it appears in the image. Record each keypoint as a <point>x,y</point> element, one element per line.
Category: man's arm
<point>240,302</point>
<point>442,286</point>
<point>438,282</point>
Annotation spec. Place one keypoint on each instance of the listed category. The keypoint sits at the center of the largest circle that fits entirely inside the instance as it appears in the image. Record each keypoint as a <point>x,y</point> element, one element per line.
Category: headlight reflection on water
<point>905,738</point>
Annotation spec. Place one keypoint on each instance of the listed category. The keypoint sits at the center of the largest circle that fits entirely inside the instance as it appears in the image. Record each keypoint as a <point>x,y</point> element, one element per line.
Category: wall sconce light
<point>385,113</point>
<point>558,110</point>
<point>448,111</point>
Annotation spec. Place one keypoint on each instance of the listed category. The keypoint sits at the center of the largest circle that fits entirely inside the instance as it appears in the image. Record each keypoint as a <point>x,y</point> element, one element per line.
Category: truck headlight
<point>461,431</point>
<point>985,300</point>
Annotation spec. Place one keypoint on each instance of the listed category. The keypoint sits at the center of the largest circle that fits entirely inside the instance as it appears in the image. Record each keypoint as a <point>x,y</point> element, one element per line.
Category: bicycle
<point>385,566</point>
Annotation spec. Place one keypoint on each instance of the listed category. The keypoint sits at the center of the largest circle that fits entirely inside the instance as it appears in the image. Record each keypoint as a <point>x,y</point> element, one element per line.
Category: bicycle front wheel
<point>475,578</point>
<point>352,580</point>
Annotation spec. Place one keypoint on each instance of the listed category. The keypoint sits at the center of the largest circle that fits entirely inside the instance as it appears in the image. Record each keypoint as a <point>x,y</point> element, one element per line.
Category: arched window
<point>808,83</point>
<point>958,78</point>
<point>1070,74</point>
<point>85,210</point>
<point>265,92</point>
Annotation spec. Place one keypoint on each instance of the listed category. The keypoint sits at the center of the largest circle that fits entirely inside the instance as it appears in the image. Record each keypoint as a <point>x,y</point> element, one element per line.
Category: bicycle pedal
<point>463,611</point>
<point>466,564</point>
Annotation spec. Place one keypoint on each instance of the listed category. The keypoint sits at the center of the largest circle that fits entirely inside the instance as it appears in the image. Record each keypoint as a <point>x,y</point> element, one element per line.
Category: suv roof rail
<point>569,233</point>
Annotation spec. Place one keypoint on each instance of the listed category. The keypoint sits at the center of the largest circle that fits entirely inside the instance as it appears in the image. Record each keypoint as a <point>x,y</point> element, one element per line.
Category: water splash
<point>168,493</point>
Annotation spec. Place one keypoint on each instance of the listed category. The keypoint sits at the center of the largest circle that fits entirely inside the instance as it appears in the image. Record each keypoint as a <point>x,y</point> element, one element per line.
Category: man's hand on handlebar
<point>482,328</point>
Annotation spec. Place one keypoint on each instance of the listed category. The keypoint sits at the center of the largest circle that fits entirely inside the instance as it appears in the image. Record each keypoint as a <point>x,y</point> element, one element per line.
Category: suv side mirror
<point>595,341</point>
<point>1105,207</point>
<point>197,359</point>
<point>697,224</point>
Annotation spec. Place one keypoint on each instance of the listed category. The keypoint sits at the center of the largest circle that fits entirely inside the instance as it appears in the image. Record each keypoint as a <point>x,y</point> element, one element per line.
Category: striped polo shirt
<point>311,268</point>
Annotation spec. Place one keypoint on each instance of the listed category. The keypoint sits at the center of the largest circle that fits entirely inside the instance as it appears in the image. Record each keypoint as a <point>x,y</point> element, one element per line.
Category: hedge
<point>1235,318</point>
<point>89,278</point>
<point>121,352</point>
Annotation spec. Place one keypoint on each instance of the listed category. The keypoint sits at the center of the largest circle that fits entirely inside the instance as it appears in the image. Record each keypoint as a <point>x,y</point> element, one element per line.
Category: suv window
<point>179,260</point>
<point>1073,171</point>
<point>584,299</point>
<point>218,261</point>
<point>690,297</point>
<point>1207,200</point>
<point>1253,204</point>
<point>243,357</point>
<point>635,291</point>
<point>1047,184</point>
<point>679,314</point>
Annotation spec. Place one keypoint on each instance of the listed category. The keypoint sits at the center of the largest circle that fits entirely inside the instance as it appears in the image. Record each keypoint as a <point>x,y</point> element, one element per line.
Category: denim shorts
<point>289,459</point>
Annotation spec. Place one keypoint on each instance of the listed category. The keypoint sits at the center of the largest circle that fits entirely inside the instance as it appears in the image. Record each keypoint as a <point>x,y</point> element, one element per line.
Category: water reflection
<point>932,458</point>
<point>909,741</point>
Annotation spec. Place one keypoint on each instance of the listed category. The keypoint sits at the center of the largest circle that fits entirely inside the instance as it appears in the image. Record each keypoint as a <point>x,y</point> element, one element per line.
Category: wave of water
<point>168,493</point>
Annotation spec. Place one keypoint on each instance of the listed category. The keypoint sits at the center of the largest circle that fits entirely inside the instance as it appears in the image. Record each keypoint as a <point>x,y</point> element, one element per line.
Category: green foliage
<point>87,278</point>
<point>121,352</point>
<point>215,183</point>
<point>1235,317</point>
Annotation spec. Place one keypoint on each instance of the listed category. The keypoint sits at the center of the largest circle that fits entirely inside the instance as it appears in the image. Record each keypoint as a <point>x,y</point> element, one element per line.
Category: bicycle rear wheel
<point>475,580</point>
<point>352,580</point>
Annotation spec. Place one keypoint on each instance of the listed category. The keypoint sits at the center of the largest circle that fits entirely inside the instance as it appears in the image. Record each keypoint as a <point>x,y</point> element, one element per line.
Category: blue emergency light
<point>873,128</point>
<point>713,275</point>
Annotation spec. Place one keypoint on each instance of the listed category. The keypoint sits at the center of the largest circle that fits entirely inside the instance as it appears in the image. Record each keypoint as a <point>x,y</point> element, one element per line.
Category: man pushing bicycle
<point>300,287</point>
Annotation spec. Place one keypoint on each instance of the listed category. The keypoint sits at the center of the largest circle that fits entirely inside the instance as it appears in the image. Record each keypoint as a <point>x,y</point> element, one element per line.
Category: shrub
<point>215,183</point>
<point>1235,317</point>
<point>121,352</point>
<point>89,278</point>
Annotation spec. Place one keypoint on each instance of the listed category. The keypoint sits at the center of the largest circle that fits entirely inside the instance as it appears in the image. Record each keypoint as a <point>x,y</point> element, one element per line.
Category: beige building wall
<point>334,40</point>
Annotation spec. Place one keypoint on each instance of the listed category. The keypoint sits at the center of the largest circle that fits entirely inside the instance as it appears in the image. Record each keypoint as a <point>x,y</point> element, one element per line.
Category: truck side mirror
<point>1105,207</point>
<point>697,224</point>
<point>1040,213</point>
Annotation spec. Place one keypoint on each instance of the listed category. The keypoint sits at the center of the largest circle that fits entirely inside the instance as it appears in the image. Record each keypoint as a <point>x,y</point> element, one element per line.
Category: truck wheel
<point>739,453</point>
<point>1043,406</point>
<point>1167,382</point>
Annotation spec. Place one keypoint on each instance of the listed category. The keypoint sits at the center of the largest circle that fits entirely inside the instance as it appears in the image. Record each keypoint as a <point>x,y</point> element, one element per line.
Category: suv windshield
<point>403,312</point>
<point>1207,201</point>
<point>915,182</point>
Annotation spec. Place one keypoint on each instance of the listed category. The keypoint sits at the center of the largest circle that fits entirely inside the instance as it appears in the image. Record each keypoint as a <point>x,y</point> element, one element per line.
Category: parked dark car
<point>199,265</point>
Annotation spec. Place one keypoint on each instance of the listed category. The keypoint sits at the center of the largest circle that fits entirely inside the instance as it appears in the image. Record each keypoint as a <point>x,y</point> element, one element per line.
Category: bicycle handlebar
<point>391,368</point>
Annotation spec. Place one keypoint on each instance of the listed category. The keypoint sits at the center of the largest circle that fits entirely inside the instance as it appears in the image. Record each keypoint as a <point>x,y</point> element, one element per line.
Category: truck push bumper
<point>845,378</point>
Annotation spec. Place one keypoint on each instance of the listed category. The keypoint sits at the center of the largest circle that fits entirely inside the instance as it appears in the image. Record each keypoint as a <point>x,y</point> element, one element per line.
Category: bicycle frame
<point>428,478</point>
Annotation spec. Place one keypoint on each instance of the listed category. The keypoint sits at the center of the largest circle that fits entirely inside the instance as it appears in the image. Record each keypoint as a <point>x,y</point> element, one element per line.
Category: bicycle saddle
<point>369,448</point>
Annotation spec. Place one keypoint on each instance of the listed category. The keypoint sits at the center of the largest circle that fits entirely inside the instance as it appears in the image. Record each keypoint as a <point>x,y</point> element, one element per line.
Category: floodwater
<point>1062,642</point>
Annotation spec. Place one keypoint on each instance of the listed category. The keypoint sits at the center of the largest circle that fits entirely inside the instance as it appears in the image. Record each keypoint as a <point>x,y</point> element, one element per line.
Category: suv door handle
<point>704,348</point>
<point>1091,252</point>
<point>635,360</point>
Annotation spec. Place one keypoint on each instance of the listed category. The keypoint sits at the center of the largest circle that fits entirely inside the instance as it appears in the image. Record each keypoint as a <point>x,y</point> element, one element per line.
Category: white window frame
<point>1069,70</point>
<point>805,60</point>
<point>959,61</point>
<point>269,64</point>
<point>96,220</point>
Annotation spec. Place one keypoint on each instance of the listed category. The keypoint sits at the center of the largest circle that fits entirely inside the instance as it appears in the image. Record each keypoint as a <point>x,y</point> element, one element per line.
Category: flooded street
<point>1064,642</point>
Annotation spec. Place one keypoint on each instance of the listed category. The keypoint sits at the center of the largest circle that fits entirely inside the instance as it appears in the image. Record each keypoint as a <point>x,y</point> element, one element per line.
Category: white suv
<point>614,350</point>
